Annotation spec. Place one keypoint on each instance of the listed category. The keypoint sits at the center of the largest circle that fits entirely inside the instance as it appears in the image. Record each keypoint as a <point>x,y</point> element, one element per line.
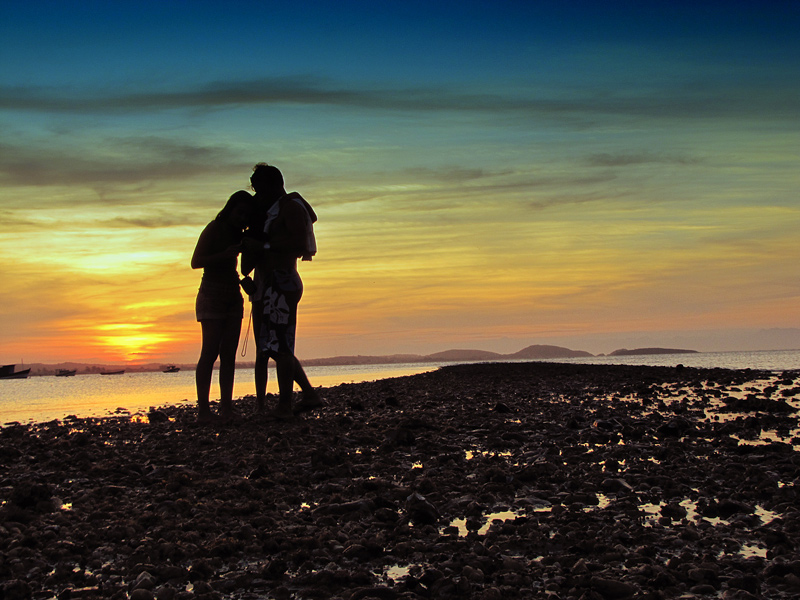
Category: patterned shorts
<point>279,325</point>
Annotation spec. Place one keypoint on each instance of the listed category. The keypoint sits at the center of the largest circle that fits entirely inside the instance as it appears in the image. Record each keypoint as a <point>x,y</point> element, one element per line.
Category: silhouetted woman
<point>219,305</point>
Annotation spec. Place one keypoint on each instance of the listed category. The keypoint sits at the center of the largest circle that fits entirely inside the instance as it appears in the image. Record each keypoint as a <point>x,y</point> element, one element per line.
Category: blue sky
<point>488,174</point>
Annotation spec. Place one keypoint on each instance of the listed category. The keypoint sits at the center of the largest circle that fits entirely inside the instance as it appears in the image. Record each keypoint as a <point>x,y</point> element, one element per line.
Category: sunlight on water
<point>46,398</point>
<point>769,360</point>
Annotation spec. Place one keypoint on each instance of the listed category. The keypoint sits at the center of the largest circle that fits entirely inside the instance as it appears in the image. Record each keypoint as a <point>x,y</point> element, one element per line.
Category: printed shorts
<point>279,324</point>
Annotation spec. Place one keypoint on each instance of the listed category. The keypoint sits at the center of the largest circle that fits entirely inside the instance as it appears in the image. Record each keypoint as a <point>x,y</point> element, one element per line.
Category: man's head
<point>267,180</point>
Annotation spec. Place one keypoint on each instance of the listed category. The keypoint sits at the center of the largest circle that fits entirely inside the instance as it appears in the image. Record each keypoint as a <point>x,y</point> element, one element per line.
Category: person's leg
<point>311,398</point>
<point>261,372</point>
<point>229,343</point>
<point>284,366</point>
<point>212,334</point>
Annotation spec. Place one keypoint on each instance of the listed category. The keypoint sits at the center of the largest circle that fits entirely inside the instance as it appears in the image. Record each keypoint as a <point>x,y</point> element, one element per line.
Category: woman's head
<point>237,209</point>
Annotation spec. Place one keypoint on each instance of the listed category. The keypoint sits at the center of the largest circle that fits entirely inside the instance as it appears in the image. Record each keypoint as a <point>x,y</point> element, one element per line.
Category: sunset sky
<point>487,175</point>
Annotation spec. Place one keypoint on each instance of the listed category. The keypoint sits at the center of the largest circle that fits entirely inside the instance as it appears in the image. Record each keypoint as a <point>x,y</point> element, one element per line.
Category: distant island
<point>637,351</point>
<point>531,352</point>
<point>534,352</point>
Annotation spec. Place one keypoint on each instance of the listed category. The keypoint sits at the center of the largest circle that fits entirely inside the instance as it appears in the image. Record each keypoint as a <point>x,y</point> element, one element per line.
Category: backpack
<point>310,247</point>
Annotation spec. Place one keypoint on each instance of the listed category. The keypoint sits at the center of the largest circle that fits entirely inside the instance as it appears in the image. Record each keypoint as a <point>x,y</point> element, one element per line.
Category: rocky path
<point>526,480</point>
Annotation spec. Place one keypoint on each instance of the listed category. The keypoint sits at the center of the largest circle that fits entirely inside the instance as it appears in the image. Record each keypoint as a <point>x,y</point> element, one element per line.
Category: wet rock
<point>166,592</point>
<point>16,589</point>
<point>420,510</point>
<point>616,485</point>
<point>727,508</point>
<point>157,416</point>
<point>613,589</point>
<point>674,511</point>
<point>32,495</point>
<point>145,581</point>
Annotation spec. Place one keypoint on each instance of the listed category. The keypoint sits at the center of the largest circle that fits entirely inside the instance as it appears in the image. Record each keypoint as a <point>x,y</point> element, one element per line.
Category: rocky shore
<point>524,480</point>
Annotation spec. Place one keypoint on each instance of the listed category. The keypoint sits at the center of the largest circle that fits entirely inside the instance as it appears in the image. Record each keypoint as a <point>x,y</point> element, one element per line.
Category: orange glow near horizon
<point>381,288</point>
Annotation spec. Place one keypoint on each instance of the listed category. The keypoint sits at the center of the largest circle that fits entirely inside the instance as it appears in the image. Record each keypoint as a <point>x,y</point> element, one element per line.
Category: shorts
<point>279,325</point>
<point>218,302</point>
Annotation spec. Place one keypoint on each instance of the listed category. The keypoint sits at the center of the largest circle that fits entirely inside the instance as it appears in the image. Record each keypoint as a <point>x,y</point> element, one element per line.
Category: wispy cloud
<point>638,158</point>
<point>687,101</point>
<point>130,160</point>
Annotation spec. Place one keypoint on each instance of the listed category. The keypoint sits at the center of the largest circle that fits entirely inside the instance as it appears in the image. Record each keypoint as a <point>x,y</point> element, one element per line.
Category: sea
<point>45,398</point>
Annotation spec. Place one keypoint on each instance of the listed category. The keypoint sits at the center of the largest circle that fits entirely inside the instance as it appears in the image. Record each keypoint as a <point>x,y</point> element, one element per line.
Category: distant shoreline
<point>534,352</point>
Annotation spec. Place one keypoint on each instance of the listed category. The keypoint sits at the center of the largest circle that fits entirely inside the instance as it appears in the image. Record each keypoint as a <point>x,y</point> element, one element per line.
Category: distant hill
<point>533,352</point>
<point>540,351</point>
<point>626,352</point>
<point>455,355</point>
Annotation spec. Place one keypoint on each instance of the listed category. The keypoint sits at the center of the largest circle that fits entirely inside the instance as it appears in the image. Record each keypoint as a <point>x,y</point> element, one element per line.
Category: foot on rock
<point>310,401</point>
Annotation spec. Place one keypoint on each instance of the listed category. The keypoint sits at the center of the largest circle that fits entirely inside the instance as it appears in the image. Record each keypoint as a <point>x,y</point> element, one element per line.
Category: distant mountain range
<point>534,352</point>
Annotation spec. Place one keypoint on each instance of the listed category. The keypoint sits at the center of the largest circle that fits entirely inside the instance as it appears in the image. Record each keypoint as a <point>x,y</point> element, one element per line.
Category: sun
<point>131,341</point>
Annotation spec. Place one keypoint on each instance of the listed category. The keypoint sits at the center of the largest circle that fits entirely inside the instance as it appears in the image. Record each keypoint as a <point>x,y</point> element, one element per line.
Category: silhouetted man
<point>281,233</point>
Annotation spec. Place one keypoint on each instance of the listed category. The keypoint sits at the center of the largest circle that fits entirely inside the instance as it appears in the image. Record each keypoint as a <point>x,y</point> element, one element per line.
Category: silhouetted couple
<point>270,230</point>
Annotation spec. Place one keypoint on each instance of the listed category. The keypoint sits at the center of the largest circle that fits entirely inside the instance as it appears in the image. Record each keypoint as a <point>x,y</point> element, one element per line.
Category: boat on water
<point>65,372</point>
<point>10,372</point>
<point>171,369</point>
<point>120,372</point>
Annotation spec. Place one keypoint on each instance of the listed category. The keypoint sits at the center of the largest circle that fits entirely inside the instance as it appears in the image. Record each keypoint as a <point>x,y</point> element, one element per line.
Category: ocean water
<point>768,360</point>
<point>44,398</point>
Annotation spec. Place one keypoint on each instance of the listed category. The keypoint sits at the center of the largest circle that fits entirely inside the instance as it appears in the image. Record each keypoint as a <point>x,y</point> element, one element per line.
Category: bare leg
<point>311,398</point>
<point>229,343</point>
<point>212,334</point>
<point>300,377</point>
<point>261,372</point>
<point>284,365</point>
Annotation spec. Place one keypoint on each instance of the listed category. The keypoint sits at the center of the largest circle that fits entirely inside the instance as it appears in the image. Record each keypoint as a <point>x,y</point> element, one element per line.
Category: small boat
<point>10,372</point>
<point>171,369</point>
<point>65,372</point>
<point>120,372</point>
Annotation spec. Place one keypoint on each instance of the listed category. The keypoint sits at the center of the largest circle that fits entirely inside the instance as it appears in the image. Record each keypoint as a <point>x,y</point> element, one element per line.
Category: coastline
<point>534,352</point>
<point>508,480</point>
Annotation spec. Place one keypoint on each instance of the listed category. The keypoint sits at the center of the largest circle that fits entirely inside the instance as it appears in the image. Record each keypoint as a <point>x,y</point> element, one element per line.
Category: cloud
<point>688,101</point>
<point>156,221</point>
<point>133,160</point>
<point>638,158</point>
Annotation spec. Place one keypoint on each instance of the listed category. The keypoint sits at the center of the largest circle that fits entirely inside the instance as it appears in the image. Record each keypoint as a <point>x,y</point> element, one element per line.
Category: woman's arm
<point>204,253</point>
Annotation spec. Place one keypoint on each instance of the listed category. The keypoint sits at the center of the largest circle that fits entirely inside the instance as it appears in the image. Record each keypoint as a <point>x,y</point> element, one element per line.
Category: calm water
<point>45,398</point>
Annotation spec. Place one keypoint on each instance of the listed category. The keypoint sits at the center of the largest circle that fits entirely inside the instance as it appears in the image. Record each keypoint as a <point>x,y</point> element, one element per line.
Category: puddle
<point>488,519</point>
<point>397,572</point>
<point>653,514</point>
<point>753,551</point>
<point>471,454</point>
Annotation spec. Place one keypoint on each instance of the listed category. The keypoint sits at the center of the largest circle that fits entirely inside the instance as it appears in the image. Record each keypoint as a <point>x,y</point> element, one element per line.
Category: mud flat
<point>532,480</point>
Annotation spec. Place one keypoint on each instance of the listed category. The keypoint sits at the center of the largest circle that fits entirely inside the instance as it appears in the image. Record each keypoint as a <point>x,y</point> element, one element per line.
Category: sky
<point>487,174</point>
